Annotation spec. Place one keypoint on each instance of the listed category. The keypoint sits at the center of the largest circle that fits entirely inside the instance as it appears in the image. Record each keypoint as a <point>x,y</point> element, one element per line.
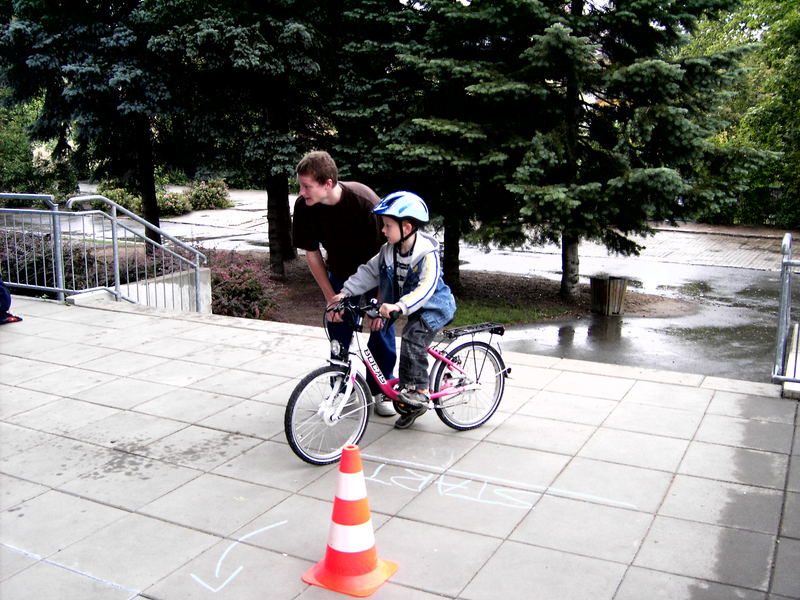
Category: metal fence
<point>66,252</point>
<point>785,368</point>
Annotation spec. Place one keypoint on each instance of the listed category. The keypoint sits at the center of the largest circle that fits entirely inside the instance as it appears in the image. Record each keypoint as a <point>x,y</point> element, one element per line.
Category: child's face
<point>391,229</point>
<point>394,230</point>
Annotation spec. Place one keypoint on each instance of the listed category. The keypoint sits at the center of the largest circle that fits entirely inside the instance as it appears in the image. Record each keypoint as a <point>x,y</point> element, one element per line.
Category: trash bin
<point>608,294</point>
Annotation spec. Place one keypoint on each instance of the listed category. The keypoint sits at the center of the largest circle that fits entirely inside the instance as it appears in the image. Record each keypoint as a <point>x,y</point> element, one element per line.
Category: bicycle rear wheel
<point>484,376</point>
<point>312,429</point>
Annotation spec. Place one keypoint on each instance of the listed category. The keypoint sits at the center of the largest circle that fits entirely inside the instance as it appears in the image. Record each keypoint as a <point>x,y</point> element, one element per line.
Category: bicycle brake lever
<point>372,313</point>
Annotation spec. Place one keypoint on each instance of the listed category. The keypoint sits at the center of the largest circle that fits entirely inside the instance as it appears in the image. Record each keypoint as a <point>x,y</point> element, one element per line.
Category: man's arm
<point>317,267</point>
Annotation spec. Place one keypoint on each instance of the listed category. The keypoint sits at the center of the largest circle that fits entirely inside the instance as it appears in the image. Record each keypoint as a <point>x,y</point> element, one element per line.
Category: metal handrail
<point>782,338</point>
<point>191,257</point>
<point>115,208</point>
<point>48,199</point>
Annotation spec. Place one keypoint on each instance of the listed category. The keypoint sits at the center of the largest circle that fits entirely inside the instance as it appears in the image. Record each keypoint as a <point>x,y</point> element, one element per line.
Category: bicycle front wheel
<point>319,420</point>
<point>483,380</point>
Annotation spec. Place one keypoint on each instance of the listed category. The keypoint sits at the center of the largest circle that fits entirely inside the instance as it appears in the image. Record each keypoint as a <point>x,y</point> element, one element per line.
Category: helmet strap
<point>414,229</point>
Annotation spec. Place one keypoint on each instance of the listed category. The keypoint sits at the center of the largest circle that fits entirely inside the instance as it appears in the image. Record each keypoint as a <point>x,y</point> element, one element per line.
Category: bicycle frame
<point>329,407</point>
<point>387,385</point>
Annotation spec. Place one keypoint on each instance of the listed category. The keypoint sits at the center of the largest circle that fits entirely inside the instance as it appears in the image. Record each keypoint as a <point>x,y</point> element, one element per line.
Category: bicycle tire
<point>313,436</point>
<point>472,408</point>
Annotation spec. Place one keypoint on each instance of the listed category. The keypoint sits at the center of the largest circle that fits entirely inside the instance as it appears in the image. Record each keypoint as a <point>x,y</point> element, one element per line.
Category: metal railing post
<point>115,253</point>
<point>785,308</point>
<point>58,251</point>
<point>197,278</point>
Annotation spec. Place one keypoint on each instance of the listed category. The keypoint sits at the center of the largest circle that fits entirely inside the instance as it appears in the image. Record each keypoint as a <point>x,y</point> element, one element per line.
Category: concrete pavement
<point>143,456</point>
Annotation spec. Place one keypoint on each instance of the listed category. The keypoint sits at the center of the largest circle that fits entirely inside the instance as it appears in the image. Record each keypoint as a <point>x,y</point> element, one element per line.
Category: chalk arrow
<point>233,575</point>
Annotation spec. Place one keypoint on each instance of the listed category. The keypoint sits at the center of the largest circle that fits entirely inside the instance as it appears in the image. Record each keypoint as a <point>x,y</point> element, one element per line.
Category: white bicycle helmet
<point>403,205</point>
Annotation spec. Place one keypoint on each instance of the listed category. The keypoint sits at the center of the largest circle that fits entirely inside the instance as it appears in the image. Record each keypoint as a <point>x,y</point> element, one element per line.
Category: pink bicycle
<point>329,407</point>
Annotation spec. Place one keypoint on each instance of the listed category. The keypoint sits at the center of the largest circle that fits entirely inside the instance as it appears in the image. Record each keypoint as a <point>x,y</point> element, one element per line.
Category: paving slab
<point>142,455</point>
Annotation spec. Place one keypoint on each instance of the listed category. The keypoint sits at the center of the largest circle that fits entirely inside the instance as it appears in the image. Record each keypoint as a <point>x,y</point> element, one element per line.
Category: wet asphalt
<point>730,330</point>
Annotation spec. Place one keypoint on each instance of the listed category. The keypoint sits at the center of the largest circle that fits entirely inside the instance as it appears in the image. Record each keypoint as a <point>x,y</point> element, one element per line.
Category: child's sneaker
<point>407,418</point>
<point>413,398</point>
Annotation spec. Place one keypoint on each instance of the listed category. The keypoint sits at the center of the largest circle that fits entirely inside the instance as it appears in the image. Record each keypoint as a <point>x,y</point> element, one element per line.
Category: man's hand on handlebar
<point>374,324</point>
<point>376,316</point>
<point>335,316</point>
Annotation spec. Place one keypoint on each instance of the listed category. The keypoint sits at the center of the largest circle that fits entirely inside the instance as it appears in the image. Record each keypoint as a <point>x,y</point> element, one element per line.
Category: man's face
<point>312,191</point>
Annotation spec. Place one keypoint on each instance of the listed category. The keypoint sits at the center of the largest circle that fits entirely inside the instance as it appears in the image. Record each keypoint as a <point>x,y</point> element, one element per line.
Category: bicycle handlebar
<point>369,310</point>
<point>347,304</point>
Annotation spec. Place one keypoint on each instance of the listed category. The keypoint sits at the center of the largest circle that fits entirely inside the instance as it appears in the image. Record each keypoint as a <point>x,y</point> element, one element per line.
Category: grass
<point>474,311</point>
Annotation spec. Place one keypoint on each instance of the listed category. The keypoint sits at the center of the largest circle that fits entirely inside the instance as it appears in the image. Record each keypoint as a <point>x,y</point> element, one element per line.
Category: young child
<point>408,272</point>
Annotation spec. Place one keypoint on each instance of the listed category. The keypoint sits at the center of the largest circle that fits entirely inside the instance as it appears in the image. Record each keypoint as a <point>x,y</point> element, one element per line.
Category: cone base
<point>353,585</point>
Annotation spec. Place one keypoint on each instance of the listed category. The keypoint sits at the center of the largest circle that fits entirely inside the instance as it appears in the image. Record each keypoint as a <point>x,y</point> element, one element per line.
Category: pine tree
<point>625,136</point>
<point>204,87</point>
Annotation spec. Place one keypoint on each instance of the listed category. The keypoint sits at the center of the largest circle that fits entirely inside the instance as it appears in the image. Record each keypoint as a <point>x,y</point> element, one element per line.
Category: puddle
<point>718,341</point>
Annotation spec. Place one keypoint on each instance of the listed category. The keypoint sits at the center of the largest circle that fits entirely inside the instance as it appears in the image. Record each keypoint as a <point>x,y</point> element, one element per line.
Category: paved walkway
<point>143,456</point>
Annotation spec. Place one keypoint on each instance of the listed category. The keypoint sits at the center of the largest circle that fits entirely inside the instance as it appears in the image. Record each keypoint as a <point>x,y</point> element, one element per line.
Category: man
<point>337,216</point>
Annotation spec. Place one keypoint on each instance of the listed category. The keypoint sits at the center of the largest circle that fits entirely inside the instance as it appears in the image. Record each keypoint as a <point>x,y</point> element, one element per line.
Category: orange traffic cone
<point>351,564</point>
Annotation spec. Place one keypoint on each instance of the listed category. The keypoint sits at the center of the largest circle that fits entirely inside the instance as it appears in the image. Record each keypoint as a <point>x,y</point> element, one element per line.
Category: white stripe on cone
<point>351,538</point>
<point>351,486</point>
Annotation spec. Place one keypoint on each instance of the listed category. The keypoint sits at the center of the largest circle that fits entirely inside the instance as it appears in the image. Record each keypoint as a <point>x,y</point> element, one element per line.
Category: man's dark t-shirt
<point>349,231</point>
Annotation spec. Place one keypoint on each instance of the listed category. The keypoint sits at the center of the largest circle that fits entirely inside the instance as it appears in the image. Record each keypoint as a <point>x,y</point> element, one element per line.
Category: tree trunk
<point>570,261</point>
<point>145,175</point>
<point>569,267</point>
<point>279,225</point>
<point>451,266</point>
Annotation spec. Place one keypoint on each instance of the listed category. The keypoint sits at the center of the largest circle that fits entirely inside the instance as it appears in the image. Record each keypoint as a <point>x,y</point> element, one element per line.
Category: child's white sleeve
<point>428,278</point>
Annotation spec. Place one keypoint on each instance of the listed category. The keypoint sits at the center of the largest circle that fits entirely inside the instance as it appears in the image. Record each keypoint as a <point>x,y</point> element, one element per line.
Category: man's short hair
<point>320,166</point>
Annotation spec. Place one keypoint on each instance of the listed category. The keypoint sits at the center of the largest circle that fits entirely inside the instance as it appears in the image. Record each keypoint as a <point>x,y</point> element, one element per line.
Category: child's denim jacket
<point>423,292</point>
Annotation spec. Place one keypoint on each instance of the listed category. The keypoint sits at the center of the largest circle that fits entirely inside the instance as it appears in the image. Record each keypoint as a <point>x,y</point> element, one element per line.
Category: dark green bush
<point>117,194</point>
<point>172,204</point>
<point>208,195</point>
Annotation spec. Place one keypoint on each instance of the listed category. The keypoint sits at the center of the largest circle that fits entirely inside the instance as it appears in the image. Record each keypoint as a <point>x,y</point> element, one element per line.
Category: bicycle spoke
<point>481,385</point>
<point>311,429</point>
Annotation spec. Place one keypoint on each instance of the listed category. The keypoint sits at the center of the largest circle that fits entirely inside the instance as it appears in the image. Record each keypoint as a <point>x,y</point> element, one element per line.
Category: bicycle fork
<point>330,411</point>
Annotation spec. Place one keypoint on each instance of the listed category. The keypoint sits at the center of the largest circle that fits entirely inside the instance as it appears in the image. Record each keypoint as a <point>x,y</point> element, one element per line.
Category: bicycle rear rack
<point>493,328</point>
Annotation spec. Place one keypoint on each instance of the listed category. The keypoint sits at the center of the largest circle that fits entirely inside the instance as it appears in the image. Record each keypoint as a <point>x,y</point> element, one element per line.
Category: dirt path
<point>300,301</point>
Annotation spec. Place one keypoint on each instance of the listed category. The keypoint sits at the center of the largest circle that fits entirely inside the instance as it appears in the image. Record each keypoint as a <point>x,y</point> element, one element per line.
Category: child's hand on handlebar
<point>387,311</point>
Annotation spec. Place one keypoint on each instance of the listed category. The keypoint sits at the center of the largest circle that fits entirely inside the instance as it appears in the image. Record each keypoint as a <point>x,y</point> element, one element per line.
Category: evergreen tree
<point>553,122</point>
<point>624,138</point>
<point>448,130</point>
<point>368,90</point>
<point>206,87</point>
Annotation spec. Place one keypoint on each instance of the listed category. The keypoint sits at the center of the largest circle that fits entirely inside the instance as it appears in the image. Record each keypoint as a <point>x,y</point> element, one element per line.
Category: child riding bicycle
<point>408,271</point>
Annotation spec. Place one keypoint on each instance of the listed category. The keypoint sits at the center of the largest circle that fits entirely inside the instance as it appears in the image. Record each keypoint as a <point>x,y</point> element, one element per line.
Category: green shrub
<point>171,204</point>
<point>117,194</point>
<point>208,195</point>
<point>240,285</point>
